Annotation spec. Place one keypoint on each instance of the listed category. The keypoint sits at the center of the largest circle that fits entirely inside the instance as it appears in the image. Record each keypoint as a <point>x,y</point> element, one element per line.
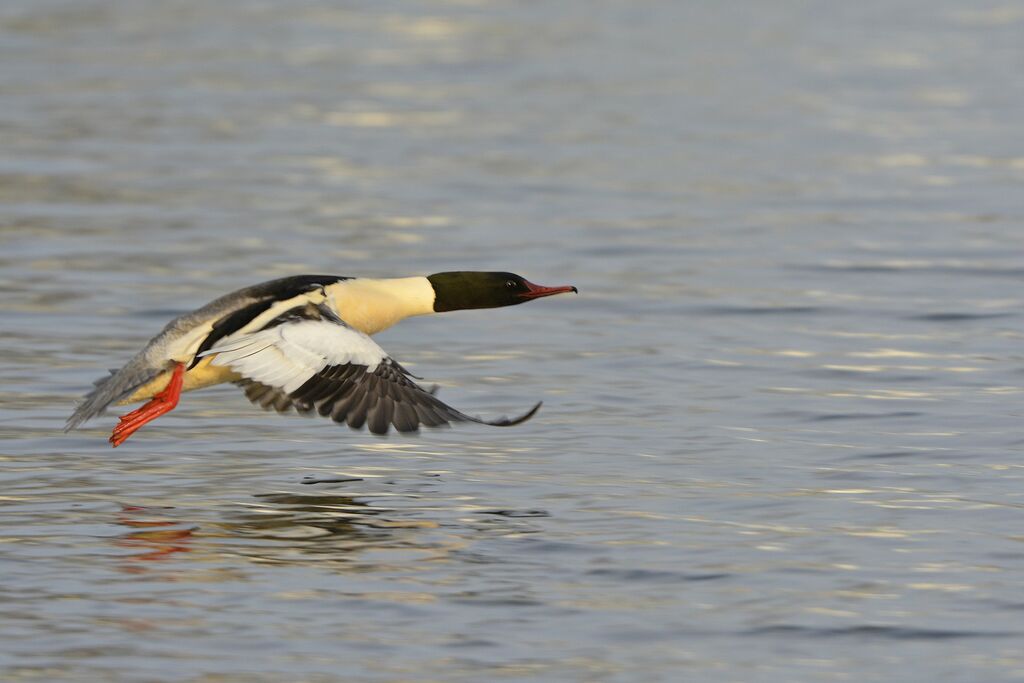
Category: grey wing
<point>383,397</point>
<point>271,398</point>
<point>309,359</point>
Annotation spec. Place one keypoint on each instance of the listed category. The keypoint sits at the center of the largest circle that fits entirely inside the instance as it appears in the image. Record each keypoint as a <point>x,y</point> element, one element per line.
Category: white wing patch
<point>288,355</point>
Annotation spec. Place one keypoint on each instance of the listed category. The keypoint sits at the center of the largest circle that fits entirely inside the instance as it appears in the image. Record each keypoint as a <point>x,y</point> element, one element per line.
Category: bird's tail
<point>118,385</point>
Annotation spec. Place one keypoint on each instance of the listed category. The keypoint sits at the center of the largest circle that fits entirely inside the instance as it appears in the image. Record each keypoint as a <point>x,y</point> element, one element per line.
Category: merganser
<point>303,342</point>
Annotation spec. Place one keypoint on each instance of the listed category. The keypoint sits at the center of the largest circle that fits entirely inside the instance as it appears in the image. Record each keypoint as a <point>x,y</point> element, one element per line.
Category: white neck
<point>372,305</point>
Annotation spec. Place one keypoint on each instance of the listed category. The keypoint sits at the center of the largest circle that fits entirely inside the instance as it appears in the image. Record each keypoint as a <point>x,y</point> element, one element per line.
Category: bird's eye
<point>511,284</point>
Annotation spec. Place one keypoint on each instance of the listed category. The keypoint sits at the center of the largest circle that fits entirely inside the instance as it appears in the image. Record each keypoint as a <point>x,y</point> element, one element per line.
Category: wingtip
<point>506,422</point>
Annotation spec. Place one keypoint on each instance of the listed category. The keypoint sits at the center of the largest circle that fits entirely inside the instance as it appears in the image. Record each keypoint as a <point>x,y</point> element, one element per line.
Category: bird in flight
<point>303,343</point>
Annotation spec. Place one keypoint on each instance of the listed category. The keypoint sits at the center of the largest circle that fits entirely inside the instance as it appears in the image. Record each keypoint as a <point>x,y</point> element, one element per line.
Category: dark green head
<point>462,289</point>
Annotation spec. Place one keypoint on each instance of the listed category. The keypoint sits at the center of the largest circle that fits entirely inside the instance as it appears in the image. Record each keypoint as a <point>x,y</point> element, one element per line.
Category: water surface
<point>781,437</point>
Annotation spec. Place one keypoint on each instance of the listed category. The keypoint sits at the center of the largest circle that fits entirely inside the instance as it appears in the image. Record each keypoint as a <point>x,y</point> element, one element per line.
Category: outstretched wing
<point>268,397</point>
<point>271,398</point>
<point>310,360</point>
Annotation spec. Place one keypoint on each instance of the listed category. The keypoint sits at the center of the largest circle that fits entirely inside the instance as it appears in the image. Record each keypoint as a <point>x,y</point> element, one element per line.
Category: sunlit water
<point>781,437</point>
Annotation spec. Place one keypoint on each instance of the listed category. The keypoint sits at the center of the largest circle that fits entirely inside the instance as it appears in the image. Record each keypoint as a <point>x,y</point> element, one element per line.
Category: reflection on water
<point>781,429</point>
<point>154,535</point>
<point>282,528</point>
<point>307,527</point>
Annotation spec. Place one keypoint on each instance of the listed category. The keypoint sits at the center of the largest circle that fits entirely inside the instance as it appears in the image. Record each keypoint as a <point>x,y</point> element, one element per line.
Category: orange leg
<point>164,402</point>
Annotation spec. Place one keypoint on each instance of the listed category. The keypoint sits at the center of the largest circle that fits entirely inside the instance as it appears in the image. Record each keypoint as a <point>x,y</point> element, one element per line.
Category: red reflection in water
<point>155,541</point>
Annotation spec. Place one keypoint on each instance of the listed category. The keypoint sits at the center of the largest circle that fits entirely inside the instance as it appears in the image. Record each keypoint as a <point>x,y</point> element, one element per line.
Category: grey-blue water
<point>781,438</point>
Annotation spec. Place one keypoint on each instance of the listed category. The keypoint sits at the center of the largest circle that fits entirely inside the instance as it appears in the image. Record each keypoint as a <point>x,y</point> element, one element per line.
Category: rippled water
<point>781,437</point>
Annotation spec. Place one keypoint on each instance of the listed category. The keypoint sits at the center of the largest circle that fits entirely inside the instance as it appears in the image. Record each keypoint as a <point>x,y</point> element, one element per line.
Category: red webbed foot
<point>163,402</point>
